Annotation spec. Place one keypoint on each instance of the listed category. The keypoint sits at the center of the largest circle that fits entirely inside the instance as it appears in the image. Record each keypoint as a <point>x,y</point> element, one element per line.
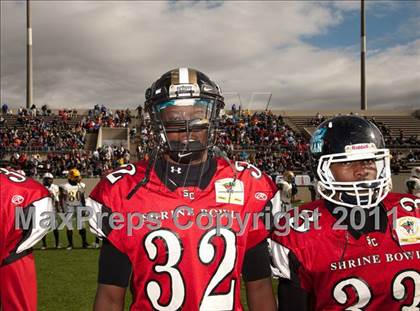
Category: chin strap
<point>146,177</point>
<point>186,153</point>
<point>219,153</point>
<point>352,199</point>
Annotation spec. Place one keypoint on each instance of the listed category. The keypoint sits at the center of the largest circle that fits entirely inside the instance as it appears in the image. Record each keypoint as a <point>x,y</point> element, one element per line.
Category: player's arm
<point>291,295</point>
<point>109,298</point>
<point>256,272</point>
<point>82,194</point>
<point>82,199</point>
<point>61,197</point>
<point>113,278</point>
<point>57,205</point>
<point>411,185</point>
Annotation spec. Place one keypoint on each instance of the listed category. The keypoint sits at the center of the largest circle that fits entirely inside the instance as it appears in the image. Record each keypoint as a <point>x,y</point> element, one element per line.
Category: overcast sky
<point>306,54</point>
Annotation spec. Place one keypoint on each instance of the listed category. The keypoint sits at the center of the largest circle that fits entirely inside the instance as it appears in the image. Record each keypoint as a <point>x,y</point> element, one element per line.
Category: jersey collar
<point>369,223</point>
<point>174,175</point>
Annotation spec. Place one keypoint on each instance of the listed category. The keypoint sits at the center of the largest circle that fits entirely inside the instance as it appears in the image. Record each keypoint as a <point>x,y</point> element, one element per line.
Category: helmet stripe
<point>175,76</point>
<point>183,75</point>
<point>192,76</point>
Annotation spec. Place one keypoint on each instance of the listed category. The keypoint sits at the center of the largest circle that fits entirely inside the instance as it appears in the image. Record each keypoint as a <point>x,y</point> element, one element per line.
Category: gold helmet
<point>74,175</point>
<point>288,176</point>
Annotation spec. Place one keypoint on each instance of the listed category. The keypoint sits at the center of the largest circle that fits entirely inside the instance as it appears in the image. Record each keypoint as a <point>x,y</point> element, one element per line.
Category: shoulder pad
<point>116,185</point>
<point>22,190</point>
<point>241,166</point>
<point>406,201</point>
<point>40,210</point>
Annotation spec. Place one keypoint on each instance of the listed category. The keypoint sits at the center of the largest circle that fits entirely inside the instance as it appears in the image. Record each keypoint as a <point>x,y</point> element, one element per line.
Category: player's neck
<point>371,223</point>
<point>175,174</point>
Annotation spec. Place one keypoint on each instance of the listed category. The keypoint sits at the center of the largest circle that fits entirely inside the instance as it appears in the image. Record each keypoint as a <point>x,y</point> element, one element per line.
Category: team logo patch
<point>408,230</point>
<point>18,199</point>
<point>317,141</point>
<point>229,191</point>
<point>260,196</point>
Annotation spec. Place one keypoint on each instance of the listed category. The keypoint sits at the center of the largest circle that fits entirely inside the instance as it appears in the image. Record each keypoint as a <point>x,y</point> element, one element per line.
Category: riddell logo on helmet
<point>359,147</point>
<point>184,88</point>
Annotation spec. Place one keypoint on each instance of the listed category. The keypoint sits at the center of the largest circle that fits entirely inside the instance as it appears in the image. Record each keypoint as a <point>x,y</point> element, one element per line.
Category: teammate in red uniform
<point>361,248</point>
<point>180,258</point>
<point>21,198</point>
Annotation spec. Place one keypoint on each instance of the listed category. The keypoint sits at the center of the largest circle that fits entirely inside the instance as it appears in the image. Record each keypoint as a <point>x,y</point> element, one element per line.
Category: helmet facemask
<point>365,193</point>
<point>47,182</point>
<point>187,127</point>
<point>184,106</point>
<point>74,177</point>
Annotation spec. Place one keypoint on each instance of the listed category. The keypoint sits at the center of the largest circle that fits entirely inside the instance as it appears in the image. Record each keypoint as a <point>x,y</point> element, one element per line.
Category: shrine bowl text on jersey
<point>377,269</point>
<point>179,265</point>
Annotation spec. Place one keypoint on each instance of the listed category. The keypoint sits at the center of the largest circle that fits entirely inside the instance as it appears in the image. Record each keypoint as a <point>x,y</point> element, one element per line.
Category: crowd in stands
<point>400,161</point>
<point>264,140</point>
<point>261,138</point>
<point>317,120</point>
<point>63,137</point>
<point>34,133</point>
<point>89,163</point>
<point>145,142</point>
<point>401,141</point>
<point>396,142</point>
<point>103,116</point>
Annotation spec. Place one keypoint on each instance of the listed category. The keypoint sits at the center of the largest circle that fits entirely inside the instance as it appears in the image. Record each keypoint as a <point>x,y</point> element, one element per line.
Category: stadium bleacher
<point>273,143</point>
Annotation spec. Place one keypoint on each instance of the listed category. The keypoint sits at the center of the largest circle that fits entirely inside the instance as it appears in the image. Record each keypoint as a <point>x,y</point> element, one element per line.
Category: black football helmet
<point>184,100</point>
<point>350,138</point>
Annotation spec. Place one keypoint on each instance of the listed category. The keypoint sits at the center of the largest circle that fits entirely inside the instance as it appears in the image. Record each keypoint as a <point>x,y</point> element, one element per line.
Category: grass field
<point>67,278</point>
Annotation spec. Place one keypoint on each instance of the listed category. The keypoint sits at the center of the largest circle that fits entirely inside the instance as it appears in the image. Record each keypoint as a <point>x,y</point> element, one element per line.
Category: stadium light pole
<point>363,56</point>
<point>268,102</point>
<point>29,91</point>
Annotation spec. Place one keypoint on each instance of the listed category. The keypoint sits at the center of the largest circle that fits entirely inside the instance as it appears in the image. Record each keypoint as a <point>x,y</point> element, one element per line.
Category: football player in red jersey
<point>359,249</point>
<point>27,202</point>
<point>186,261</point>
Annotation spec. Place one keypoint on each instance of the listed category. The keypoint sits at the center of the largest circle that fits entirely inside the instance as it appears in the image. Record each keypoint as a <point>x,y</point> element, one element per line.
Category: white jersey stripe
<point>95,220</point>
<point>280,259</point>
<point>42,210</point>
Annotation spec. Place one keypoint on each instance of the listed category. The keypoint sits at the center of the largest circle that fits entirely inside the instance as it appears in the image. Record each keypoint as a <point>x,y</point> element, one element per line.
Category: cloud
<point>110,52</point>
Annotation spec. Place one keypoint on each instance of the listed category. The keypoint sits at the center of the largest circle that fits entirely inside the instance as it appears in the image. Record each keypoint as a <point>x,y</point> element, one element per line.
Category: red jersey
<point>377,270</point>
<point>20,198</point>
<point>19,194</point>
<point>187,261</point>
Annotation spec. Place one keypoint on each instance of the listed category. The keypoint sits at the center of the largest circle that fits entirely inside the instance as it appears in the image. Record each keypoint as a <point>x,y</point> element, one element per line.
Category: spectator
<point>4,108</point>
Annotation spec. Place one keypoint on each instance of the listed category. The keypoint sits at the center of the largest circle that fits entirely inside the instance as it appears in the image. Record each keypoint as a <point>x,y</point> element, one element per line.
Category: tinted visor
<point>180,114</point>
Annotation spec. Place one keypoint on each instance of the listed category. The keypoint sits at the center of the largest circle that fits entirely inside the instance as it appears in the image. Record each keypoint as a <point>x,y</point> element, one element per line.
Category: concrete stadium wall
<point>301,112</point>
<point>344,112</point>
<point>398,182</point>
<point>398,185</point>
<point>113,136</point>
<point>90,183</point>
<point>304,112</point>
